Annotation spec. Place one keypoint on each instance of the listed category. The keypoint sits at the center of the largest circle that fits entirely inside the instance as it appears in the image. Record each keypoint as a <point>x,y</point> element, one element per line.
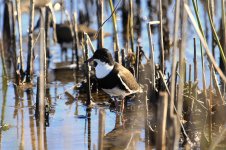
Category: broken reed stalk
<point>161,38</point>
<point>181,64</point>
<point>100,11</point>
<point>88,90</point>
<point>185,71</point>
<point>174,135</point>
<point>131,25</point>
<point>161,120</point>
<point>189,80</point>
<point>210,57</point>
<point>151,53</point>
<point>76,40</point>
<point>137,63</point>
<point>203,76</point>
<point>210,105</point>
<point>37,99</point>
<point>30,43</point>
<point>195,72</point>
<point>101,129</point>
<point>42,79</point>
<point>20,36</point>
<point>195,62</point>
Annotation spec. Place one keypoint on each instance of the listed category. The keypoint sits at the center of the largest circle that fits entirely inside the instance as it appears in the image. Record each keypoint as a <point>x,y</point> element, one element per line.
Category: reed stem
<point>76,40</point>
<point>210,106</point>
<point>210,57</point>
<point>162,61</point>
<point>100,11</point>
<point>137,63</point>
<point>115,26</point>
<point>42,79</point>
<point>88,90</point>
<point>215,35</point>
<point>151,53</point>
<point>30,43</point>
<point>174,135</point>
<point>20,37</point>
<point>131,24</point>
<point>182,71</point>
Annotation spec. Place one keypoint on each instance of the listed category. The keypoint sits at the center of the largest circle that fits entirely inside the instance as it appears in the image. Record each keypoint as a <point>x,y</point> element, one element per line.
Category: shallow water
<point>71,124</point>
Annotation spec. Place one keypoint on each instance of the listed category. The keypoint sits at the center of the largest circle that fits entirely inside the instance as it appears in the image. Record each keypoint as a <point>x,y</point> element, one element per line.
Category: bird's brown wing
<point>127,78</point>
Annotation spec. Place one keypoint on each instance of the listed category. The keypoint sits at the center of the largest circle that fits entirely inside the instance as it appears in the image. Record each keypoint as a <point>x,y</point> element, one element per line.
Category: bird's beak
<point>89,60</point>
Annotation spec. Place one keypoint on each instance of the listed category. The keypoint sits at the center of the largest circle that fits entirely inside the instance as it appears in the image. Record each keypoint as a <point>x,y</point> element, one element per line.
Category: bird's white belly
<point>115,92</point>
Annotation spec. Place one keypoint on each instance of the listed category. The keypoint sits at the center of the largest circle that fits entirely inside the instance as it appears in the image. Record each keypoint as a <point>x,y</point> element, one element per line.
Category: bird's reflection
<point>126,133</point>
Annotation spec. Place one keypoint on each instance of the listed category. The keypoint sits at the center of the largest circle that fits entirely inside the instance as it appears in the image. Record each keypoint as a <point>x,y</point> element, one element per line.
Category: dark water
<point>72,125</point>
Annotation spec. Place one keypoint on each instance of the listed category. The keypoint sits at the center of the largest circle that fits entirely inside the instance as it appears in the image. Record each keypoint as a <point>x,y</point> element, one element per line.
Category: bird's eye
<point>95,63</point>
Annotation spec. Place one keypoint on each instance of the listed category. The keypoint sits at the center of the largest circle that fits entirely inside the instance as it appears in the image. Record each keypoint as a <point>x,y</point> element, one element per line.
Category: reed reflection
<point>4,98</point>
<point>21,107</point>
<point>31,118</point>
<point>101,129</point>
<point>88,114</point>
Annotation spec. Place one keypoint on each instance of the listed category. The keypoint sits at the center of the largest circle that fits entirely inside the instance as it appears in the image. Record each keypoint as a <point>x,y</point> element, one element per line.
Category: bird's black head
<point>103,55</point>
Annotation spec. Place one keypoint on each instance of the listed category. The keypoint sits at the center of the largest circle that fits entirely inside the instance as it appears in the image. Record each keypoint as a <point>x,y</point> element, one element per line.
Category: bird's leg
<point>62,52</point>
<point>123,120</point>
<point>116,103</point>
<point>65,51</point>
<point>122,104</point>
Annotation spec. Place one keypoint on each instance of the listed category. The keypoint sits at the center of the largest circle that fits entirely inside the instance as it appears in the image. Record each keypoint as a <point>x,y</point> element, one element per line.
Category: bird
<point>114,79</point>
<point>64,34</point>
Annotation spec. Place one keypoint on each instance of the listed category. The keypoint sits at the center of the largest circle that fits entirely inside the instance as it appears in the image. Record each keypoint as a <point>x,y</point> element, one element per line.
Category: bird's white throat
<point>102,69</point>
